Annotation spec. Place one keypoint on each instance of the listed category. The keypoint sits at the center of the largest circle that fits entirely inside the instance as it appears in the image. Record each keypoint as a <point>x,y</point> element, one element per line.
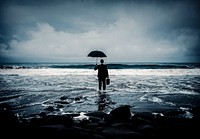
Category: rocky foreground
<point>120,123</point>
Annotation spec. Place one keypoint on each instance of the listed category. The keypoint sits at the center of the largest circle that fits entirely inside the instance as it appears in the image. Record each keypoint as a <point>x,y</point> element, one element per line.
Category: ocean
<point>60,88</point>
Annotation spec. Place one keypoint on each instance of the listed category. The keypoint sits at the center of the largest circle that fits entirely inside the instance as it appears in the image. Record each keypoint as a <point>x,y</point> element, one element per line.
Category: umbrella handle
<point>96,60</point>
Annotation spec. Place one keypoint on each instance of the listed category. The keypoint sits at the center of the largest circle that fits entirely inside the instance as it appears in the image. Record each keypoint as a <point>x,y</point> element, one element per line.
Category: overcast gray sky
<point>126,30</point>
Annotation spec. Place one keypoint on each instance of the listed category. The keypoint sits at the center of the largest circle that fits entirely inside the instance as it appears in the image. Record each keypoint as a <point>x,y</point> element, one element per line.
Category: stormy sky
<point>126,30</point>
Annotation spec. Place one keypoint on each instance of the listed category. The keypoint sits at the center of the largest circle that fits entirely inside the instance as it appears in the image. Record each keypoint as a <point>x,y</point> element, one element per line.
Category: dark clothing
<point>102,75</point>
<point>102,81</point>
<point>102,71</point>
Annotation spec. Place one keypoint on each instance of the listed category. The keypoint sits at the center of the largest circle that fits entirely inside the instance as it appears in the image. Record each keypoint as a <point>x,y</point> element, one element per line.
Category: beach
<point>62,99</point>
<point>59,88</point>
<point>52,56</point>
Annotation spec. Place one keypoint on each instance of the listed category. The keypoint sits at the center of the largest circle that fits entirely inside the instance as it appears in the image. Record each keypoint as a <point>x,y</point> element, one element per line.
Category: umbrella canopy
<point>96,54</point>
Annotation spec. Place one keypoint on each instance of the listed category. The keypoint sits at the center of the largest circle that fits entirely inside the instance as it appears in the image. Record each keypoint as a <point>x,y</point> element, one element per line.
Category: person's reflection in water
<point>103,101</point>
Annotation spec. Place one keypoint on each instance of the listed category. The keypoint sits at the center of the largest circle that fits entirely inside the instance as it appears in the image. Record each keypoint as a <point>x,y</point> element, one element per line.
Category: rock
<point>119,132</point>
<point>60,119</point>
<point>196,113</point>
<point>119,124</point>
<point>5,106</point>
<point>121,114</point>
<point>147,130</point>
<point>101,115</point>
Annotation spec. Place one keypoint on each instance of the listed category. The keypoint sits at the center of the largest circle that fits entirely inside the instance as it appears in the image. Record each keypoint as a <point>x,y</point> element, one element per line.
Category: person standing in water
<point>102,74</point>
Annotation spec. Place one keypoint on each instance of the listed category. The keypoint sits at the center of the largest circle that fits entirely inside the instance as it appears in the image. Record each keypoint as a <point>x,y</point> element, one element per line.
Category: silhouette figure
<point>102,74</point>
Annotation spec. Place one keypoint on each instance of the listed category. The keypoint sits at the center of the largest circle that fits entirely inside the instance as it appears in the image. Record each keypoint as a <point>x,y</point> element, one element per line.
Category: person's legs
<point>104,84</point>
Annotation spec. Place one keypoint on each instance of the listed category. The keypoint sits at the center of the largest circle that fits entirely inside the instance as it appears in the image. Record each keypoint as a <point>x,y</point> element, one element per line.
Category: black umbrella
<point>96,54</point>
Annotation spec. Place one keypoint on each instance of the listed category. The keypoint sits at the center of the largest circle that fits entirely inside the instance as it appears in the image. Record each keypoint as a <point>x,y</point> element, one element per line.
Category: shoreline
<point>119,123</point>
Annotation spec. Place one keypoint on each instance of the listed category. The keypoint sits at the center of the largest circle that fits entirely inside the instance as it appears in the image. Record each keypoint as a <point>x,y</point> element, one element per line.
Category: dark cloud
<point>169,26</point>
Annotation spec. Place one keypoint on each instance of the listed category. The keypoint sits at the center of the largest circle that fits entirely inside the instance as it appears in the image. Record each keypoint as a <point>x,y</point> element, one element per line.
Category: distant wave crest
<point>153,66</point>
<point>110,66</point>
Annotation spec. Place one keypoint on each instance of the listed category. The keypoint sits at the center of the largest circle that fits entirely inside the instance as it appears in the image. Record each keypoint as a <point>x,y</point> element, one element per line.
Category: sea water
<point>60,88</point>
